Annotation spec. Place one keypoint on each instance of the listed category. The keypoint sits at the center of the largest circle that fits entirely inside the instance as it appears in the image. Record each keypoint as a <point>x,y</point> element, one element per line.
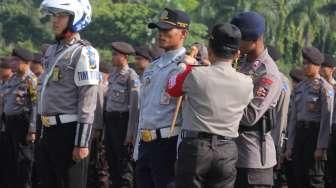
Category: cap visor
<point>160,25</point>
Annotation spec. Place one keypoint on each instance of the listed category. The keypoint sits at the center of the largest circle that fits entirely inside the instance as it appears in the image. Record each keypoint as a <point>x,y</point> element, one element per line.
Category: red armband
<point>175,83</point>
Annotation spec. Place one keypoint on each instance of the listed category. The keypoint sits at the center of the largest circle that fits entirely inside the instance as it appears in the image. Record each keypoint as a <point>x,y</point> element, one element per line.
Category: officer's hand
<point>206,62</point>
<point>129,141</point>
<point>261,92</point>
<point>30,137</point>
<point>320,154</point>
<point>189,60</point>
<point>288,154</point>
<point>79,153</point>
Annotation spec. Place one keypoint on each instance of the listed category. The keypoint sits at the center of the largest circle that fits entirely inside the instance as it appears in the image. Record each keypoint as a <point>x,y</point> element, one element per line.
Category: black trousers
<point>35,178</point>
<point>155,164</point>
<point>307,171</point>
<point>121,166</point>
<point>288,167</point>
<point>209,163</point>
<point>20,153</point>
<point>3,159</point>
<point>332,161</point>
<point>98,175</point>
<point>54,160</point>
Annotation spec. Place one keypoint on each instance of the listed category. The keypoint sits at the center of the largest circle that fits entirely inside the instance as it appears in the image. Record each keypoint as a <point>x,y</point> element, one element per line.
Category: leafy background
<point>291,24</point>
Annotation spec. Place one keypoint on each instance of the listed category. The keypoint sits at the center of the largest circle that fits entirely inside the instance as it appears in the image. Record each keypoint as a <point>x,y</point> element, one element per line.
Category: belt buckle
<point>45,121</point>
<point>146,135</point>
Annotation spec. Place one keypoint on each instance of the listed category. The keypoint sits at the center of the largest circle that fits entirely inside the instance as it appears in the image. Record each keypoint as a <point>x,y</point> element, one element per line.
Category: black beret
<point>143,51</point>
<point>172,19</point>
<point>313,55</point>
<point>23,54</point>
<point>251,24</point>
<point>297,74</point>
<point>123,48</point>
<point>329,61</point>
<point>225,35</point>
<point>274,53</point>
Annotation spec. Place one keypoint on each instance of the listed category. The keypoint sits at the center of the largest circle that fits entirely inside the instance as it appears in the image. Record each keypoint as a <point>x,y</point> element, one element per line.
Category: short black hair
<point>225,40</point>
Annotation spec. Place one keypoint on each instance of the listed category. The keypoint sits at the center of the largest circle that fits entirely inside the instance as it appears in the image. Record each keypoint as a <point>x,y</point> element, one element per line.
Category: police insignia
<point>316,84</point>
<point>136,83</point>
<point>328,92</point>
<point>92,62</point>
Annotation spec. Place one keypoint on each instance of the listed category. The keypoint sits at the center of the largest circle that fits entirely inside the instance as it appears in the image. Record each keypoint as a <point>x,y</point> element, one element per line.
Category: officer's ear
<point>211,55</point>
<point>184,34</point>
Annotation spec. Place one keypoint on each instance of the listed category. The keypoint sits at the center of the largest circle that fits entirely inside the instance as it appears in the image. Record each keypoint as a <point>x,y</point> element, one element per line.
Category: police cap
<point>172,19</point>
<point>251,24</point>
<point>143,51</point>
<point>313,55</point>
<point>23,54</point>
<point>329,61</point>
<point>123,47</point>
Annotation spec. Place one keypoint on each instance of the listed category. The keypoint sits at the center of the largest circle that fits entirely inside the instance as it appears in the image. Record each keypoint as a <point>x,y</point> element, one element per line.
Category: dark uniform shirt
<point>312,102</point>
<point>20,94</point>
<point>265,75</point>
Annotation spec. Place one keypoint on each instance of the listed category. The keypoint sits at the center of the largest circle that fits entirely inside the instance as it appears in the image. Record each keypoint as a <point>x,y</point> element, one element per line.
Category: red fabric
<point>266,81</point>
<point>175,83</point>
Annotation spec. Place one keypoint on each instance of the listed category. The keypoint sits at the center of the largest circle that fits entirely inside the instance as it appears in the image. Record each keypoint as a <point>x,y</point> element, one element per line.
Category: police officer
<point>68,96</point>
<point>327,71</point>
<point>5,74</point>
<point>121,115</point>
<point>279,131</point>
<point>98,175</point>
<point>20,113</point>
<point>157,150</point>
<point>208,154</point>
<point>142,59</point>
<point>36,65</point>
<point>256,151</point>
<point>310,121</point>
<point>296,75</point>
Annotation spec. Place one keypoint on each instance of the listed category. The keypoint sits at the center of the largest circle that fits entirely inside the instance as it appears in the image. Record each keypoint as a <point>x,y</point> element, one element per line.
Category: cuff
<point>83,134</point>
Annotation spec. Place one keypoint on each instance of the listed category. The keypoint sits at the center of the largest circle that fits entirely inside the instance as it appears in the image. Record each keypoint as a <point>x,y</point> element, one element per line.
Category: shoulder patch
<point>87,68</point>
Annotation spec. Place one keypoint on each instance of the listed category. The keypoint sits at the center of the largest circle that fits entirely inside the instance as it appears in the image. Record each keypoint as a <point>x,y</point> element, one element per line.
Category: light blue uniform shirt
<point>157,107</point>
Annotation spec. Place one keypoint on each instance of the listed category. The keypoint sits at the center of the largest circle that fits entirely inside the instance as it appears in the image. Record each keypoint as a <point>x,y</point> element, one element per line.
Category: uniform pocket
<point>165,98</point>
<point>313,105</point>
<point>119,95</point>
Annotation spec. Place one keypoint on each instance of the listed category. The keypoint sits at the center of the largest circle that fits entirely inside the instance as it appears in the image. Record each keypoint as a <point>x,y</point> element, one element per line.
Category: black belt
<point>253,128</point>
<point>307,124</point>
<point>203,135</point>
<point>117,113</point>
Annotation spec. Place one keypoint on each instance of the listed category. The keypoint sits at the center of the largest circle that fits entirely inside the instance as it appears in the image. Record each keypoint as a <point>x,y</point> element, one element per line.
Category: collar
<point>124,70</point>
<point>222,64</point>
<point>170,56</point>
<point>64,43</point>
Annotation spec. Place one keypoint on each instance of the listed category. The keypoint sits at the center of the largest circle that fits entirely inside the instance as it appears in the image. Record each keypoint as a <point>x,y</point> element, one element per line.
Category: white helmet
<point>79,9</point>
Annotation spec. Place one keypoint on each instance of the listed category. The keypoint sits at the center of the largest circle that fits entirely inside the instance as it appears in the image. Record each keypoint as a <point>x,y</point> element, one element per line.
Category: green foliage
<point>291,24</point>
